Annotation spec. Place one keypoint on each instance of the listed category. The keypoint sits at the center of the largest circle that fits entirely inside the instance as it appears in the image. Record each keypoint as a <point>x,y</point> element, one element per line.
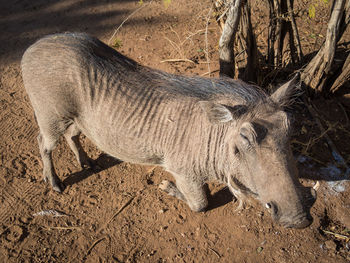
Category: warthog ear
<point>218,113</point>
<point>284,94</point>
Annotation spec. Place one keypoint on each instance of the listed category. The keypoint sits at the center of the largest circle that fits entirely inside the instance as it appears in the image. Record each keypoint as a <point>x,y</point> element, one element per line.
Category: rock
<point>330,244</point>
<point>343,216</point>
<point>24,220</point>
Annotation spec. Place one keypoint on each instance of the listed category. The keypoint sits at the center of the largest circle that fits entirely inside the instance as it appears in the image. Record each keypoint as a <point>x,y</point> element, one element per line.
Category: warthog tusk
<point>316,186</point>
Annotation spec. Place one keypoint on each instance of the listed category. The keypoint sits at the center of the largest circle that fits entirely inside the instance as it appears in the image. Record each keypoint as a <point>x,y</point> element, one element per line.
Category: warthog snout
<point>301,220</point>
<point>294,218</point>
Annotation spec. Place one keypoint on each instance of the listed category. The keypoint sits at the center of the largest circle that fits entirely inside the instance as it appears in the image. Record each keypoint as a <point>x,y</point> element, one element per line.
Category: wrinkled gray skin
<point>198,129</point>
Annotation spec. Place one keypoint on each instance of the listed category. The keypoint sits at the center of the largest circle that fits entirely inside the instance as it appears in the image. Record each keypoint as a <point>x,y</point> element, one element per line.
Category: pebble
<point>330,244</point>
<point>24,220</point>
<point>163,228</point>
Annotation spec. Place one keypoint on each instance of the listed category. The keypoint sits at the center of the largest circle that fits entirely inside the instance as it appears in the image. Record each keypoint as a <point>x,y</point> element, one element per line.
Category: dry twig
<point>93,245</point>
<point>216,253</point>
<point>63,228</point>
<point>115,214</point>
<point>177,60</point>
<point>126,19</point>
<point>207,73</point>
<point>347,238</point>
<point>120,209</point>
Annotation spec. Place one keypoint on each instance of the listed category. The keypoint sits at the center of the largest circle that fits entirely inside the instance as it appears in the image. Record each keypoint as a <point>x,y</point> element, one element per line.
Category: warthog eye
<point>272,207</point>
<point>236,150</point>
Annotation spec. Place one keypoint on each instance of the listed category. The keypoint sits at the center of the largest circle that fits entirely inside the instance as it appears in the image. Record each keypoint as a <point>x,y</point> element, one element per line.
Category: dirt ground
<point>117,214</point>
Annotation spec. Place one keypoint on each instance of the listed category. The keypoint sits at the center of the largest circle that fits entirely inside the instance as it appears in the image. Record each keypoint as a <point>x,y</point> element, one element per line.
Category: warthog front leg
<point>190,192</point>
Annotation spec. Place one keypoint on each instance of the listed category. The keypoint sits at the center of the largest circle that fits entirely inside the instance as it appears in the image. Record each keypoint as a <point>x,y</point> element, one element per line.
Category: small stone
<point>342,214</point>
<point>330,244</point>
<point>162,211</point>
<point>119,258</point>
<point>259,249</point>
<point>24,220</point>
<point>163,228</point>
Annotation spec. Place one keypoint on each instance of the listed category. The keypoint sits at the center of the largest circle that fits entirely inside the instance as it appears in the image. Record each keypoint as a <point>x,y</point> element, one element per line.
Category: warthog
<point>198,129</point>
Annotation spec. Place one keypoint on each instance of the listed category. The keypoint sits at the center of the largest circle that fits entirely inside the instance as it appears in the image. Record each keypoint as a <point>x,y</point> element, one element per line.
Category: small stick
<point>337,235</point>
<point>209,72</point>
<point>314,159</point>
<point>115,214</point>
<point>62,227</point>
<point>314,140</point>
<point>175,46</point>
<point>195,33</point>
<point>178,60</point>
<point>121,209</point>
<point>126,19</point>
<point>216,253</point>
<point>93,245</point>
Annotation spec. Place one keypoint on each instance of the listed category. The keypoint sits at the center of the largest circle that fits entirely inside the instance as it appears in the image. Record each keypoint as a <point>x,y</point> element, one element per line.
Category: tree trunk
<point>345,71</point>
<point>283,38</point>
<point>343,77</point>
<point>284,46</point>
<point>247,52</point>
<point>295,30</point>
<point>318,70</point>
<point>226,43</point>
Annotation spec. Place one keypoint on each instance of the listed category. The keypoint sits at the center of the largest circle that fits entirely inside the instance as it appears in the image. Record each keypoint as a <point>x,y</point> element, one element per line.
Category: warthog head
<point>264,167</point>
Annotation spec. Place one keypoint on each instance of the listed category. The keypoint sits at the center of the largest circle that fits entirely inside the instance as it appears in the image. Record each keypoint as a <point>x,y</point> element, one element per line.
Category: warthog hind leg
<point>46,145</point>
<point>72,137</point>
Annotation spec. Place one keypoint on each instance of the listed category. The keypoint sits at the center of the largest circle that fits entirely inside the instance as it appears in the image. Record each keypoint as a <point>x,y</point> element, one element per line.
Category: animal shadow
<point>220,198</point>
<point>103,162</point>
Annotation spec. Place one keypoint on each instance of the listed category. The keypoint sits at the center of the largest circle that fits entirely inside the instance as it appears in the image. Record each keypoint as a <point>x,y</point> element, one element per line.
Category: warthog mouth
<point>302,221</point>
<point>303,224</point>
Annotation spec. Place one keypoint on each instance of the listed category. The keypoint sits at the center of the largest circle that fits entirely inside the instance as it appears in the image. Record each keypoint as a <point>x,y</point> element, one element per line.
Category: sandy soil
<point>117,214</point>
